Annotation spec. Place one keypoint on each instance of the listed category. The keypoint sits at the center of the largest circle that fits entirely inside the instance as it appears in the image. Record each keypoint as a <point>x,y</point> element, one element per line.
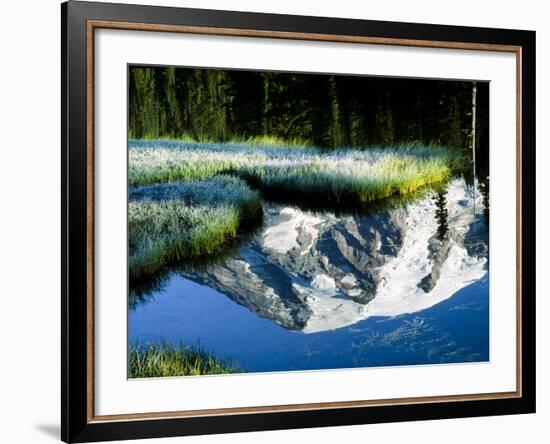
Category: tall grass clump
<point>339,177</point>
<point>177,221</point>
<point>217,191</point>
<point>272,141</point>
<point>154,161</point>
<point>162,360</point>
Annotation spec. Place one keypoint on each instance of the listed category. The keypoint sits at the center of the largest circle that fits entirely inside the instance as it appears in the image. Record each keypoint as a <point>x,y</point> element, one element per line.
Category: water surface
<point>314,290</point>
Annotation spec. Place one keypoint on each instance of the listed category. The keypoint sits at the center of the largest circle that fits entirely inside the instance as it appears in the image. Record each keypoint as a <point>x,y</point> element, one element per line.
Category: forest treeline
<point>324,110</point>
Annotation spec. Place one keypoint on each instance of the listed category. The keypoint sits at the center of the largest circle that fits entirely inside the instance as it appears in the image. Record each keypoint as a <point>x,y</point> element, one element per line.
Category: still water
<point>314,290</point>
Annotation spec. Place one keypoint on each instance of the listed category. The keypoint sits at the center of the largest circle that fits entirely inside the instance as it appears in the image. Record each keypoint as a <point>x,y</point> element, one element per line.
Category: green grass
<point>177,221</point>
<point>190,200</point>
<point>165,359</point>
<point>343,176</point>
<point>259,141</point>
<point>272,141</point>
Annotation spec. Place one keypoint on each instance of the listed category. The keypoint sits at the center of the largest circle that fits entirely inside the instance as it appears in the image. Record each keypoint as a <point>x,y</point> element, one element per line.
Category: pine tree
<point>384,121</point>
<point>441,215</point>
<point>334,131</point>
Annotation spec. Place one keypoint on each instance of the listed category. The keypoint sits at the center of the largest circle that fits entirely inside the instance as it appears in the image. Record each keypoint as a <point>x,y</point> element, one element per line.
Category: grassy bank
<point>167,360</point>
<point>340,176</point>
<point>189,200</point>
<point>175,221</point>
<point>259,141</point>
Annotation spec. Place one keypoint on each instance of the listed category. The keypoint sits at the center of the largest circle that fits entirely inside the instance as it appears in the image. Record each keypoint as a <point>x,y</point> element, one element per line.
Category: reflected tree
<point>441,214</point>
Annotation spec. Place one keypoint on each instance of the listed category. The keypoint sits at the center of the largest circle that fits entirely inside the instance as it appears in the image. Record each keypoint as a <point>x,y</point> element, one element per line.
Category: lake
<point>404,285</point>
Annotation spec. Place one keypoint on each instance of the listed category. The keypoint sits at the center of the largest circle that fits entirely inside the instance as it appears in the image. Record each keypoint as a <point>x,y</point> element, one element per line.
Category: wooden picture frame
<point>79,22</point>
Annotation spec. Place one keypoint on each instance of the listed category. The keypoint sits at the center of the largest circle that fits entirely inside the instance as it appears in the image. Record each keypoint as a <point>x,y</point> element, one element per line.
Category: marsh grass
<point>177,221</point>
<point>251,141</point>
<point>159,360</point>
<point>217,191</point>
<point>272,141</point>
<point>339,177</point>
<point>190,200</point>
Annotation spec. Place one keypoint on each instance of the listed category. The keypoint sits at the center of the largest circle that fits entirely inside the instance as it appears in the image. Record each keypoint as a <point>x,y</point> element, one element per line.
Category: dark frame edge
<point>74,213</point>
<point>209,425</point>
<point>64,147</point>
<point>528,212</point>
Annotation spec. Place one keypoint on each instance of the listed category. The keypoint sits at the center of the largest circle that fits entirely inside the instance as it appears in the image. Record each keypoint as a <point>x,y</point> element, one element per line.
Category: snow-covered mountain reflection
<point>314,272</point>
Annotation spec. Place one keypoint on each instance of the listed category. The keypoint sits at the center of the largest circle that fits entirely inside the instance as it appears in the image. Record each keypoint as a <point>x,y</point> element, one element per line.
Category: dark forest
<point>327,111</point>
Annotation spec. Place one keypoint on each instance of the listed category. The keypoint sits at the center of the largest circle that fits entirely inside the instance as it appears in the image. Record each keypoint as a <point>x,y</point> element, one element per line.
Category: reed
<point>159,360</point>
<point>176,221</point>
<point>344,176</point>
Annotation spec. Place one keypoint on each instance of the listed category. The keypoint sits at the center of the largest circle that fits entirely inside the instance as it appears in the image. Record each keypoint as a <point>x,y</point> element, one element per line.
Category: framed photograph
<point>276,221</point>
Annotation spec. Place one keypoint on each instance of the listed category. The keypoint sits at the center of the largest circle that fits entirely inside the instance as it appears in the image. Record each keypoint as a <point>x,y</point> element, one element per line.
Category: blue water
<point>455,330</point>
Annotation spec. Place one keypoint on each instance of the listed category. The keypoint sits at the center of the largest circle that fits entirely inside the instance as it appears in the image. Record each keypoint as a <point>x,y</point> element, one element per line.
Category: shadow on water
<point>351,207</point>
<point>142,291</point>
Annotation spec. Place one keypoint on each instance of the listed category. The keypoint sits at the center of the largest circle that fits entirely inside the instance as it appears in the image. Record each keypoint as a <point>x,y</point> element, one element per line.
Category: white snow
<point>283,236</point>
<point>398,292</point>
<point>323,282</point>
<point>397,296</point>
<point>349,280</point>
<point>329,309</point>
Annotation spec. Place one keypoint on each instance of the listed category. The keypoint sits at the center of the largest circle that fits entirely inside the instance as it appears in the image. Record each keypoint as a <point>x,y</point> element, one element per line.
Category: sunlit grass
<point>252,141</point>
<point>272,141</point>
<point>190,200</point>
<point>339,176</point>
<point>177,221</point>
<point>162,360</point>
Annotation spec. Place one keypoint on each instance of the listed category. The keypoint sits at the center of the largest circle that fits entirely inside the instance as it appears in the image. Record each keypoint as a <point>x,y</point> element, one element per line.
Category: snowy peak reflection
<point>314,272</point>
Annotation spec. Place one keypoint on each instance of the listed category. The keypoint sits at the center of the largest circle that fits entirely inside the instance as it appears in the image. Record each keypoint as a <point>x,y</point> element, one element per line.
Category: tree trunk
<point>474,97</point>
<point>474,94</point>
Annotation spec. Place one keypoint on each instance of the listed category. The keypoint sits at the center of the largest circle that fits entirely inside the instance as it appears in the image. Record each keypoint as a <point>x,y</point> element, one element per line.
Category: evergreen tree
<point>334,130</point>
<point>441,215</point>
<point>329,111</point>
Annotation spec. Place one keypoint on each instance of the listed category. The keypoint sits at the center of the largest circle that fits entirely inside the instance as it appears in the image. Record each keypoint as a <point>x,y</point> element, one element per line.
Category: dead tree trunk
<point>474,94</point>
<point>474,98</point>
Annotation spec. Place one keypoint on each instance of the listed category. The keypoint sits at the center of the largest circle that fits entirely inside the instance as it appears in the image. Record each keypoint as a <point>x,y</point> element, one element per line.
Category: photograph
<point>298,221</point>
<point>276,220</point>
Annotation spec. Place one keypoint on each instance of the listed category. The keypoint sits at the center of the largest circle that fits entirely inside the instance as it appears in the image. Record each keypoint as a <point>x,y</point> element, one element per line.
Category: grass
<point>190,200</point>
<point>165,359</point>
<point>261,141</point>
<point>176,221</point>
<point>344,176</point>
<point>271,141</point>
